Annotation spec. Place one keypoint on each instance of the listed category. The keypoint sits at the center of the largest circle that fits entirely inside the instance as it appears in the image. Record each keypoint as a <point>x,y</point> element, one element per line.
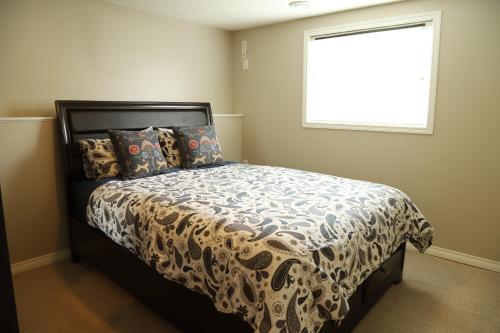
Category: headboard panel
<point>92,119</point>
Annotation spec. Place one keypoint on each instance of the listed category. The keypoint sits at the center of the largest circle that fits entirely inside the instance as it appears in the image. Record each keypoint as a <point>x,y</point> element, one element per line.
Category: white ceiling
<point>241,14</point>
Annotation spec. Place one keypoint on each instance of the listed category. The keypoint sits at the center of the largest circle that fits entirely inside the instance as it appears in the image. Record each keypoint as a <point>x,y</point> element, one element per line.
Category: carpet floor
<point>435,296</point>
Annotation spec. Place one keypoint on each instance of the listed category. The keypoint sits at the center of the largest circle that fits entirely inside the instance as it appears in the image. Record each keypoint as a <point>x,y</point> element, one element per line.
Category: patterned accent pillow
<point>169,147</point>
<point>139,153</point>
<point>99,159</point>
<point>199,146</point>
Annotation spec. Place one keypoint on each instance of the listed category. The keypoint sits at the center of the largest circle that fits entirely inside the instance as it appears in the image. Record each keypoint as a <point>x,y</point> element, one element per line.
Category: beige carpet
<point>435,296</point>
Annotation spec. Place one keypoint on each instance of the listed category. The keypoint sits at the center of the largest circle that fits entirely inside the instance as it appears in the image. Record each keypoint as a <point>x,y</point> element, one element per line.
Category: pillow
<point>199,146</point>
<point>138,152</point>
<point>99,159</point>
<point>169,147</point>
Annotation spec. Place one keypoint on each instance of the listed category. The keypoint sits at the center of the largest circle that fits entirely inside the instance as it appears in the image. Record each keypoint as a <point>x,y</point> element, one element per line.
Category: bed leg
<point>75,257</point>
<point>398,278</point>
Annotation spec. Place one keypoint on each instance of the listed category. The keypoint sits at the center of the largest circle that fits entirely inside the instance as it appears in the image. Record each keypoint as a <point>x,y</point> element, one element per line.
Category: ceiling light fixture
<point>299,4</point>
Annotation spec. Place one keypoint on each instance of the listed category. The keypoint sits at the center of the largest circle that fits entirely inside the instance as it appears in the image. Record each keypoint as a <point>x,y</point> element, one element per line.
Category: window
<point>378,76</point>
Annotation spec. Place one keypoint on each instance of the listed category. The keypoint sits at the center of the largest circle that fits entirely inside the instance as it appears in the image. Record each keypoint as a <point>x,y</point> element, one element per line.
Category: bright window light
<point>378,76</point>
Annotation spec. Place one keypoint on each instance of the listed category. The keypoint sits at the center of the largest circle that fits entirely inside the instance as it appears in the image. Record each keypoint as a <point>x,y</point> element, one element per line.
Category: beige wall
<point>88,49</point>
<point>453,175</point>
<point>32,188</point>
<point>229,127</point>
<point>85,49</point>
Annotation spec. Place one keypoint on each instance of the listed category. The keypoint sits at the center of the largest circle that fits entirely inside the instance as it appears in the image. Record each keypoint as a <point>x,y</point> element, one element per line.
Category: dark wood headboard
<point>92,119</point>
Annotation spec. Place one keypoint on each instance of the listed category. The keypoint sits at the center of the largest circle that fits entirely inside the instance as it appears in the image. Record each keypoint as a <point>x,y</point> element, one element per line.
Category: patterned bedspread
<point>283,249</point>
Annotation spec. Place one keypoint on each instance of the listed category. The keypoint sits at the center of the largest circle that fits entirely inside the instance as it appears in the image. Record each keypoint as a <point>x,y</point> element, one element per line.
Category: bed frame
<point>186,309</point>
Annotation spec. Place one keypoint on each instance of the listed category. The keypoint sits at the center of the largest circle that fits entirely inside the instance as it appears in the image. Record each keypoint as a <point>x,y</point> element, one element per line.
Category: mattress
<point>281,248</point>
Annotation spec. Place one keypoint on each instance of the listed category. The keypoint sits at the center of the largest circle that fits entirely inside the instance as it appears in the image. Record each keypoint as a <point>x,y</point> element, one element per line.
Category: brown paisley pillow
<point>169,147</point>
<point>139,153</point>
<point>99,159</point>
<point>199,146</point>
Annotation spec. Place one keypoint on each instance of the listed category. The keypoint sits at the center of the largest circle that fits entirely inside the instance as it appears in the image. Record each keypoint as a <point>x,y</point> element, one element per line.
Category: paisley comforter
<point>283,249</point>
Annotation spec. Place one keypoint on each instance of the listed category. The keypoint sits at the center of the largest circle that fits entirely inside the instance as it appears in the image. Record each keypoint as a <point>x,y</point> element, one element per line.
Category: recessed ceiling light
<point>299,4</point>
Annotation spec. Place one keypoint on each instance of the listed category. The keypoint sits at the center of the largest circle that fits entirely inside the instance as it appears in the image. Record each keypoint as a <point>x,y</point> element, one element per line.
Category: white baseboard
<point>36,262</point>
<point>460,257</point>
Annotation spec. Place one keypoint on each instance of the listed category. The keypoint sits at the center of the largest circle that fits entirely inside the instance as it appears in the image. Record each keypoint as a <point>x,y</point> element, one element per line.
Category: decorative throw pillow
<point>87,169</point>
<point>99,159</point>
<point>199,146</point>
<point>139,153</point>
<point>169,147</point>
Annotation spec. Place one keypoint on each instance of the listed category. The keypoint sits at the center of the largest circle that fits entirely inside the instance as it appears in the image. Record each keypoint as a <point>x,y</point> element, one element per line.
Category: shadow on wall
<point>60,189</point>
<point>30,112</point>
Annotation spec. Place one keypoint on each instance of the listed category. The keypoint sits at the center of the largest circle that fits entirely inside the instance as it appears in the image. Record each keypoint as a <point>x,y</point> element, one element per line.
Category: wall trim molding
<point>33,119</point>
<point>462,258</point>
<point>46,259</point>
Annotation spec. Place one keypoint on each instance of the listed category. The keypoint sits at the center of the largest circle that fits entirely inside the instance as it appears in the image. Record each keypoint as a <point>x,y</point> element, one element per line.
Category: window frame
<point>434,17</point>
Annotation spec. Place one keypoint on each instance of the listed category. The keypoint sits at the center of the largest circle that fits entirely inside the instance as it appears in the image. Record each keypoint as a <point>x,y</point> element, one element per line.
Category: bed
<point>237,247</point>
